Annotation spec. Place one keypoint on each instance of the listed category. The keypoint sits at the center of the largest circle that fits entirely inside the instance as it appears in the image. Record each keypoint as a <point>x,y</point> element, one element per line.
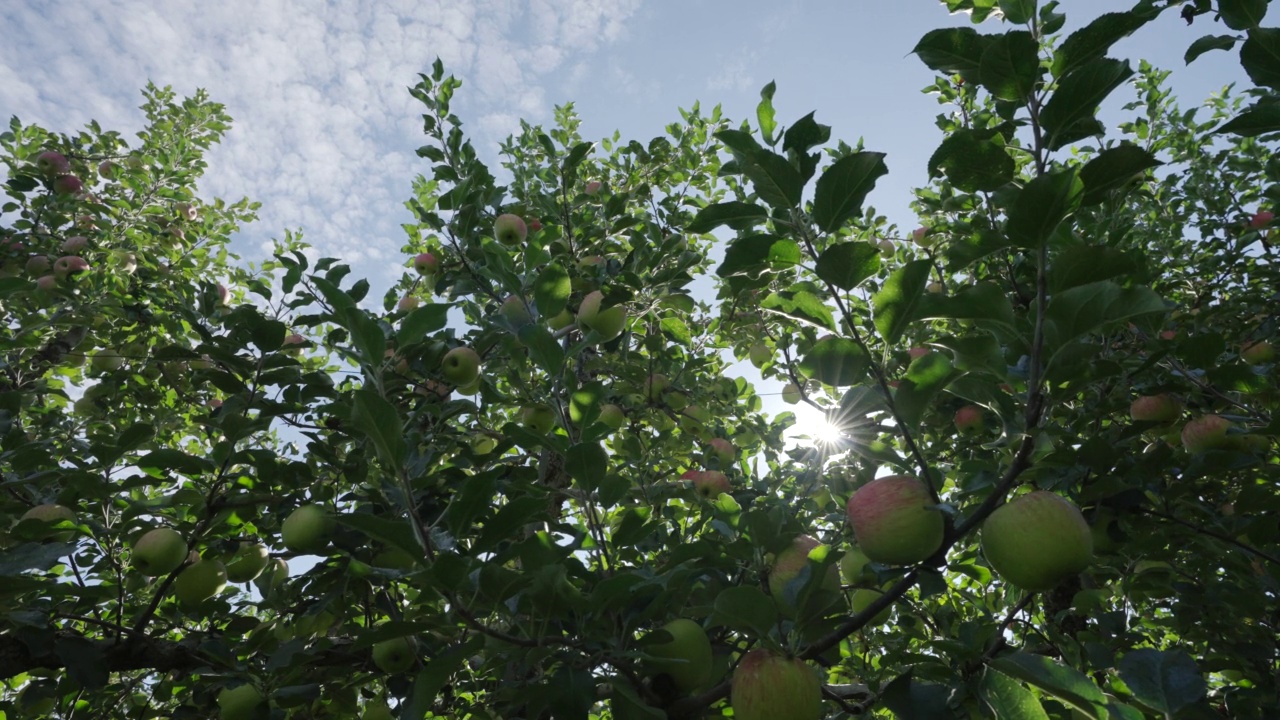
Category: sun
<point>815,424</point>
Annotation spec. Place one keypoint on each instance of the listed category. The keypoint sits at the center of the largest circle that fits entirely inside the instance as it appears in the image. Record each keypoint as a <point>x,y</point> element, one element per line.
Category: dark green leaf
<point>1007,699</point>
<point>587,463</point>
<point>803,306</point>
<point>755,254</point>
<point>175,460</point>
<point>432,679</point>
<point>746,609</point>
<point>1069,114</point>
<point>896,302</point>
<point>32,556</point>
<point>1207,43</point>
<point>1242,14</point>
<point>85,662</point>
<point>1260,56</point>
<point>1164,681</point>
<point>543,348</point>
<point>804,134</point>
<point>844,265</point>
<point>1042,205</point>
<point>775,180</point>
<point>551,290</point>
<point>836,361</point>
<point>909,699</point>
<point>1061,681</point>
<point>1083,264</point>
<point>1011,66</point>
<point>953,50</point>
<point>974,161</point>
<point>475,497</point>
<point>1112,169</point>
<point>386,528</point>
<point>1094,40</point>
<point>1092,307</point>
<point>927,376</point>
<point>984,301</point>
<point>735,214</point>
<point>575,156</point>
<point>1018,11</point>
<point>379,420</point>
<point>843,187</point>
<point>418,323</point>
<point>1257,120</point>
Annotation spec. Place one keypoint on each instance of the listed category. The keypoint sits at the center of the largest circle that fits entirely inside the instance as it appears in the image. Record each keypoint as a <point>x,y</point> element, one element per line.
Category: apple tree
<point>537,479</point>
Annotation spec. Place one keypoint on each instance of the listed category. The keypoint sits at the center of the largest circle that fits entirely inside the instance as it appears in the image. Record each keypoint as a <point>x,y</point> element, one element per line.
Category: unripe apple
<point>1037,540</point>
<point>187,211</point>
<point>969,419</point>
<point>593,187</point>
<point>1160,408</point>
<point>861,598</point>
<point>306,530</point>
<point>126,261</point>
<point>75,245</point>
<point>292,343</point>
<point>377,710</point>
<point>655,386</point>
<point>483,444</point>
<point>538,418</point>
<point>886,247</point>
<point>106,361</point>
<point>676,400</point>
<point>1208,432</point>
<point>199,582</point>
<point>685,658</point>
<point>759,354</point>
<point>607,323</point>
<point>613,416</point>
<point>791,394</point>
<point>69,265</point>
<point>893,522</point>
<point>853,567</point>
<point>473,389</point>
<point>461,366</point>
<point>563,320</point>
<point>248,563</point>
<point>395,655</point>
<point>51,514</point>
<point>590,263</point>
<point>510,229</point>
<point>773,687</point>
<point>67,185</point>
<point>708,483</point>
<point>515,312</point>
<point>922,237</point>
<point>426,264</point>
<point>51,164</point>
<point>159,552</point>
<point>276,572</point>
<point>1261,219</point>
<point>722,450</point>
<point>1256,353</point>
<point>934,287</point>
<point>239,703</point>
<point>407,303</point>
<point>38,265</point>
<point>224,294</point>
<point>788,565</point>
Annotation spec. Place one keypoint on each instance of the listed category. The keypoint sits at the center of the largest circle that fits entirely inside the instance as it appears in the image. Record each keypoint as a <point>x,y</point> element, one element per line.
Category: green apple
<point>1256,353</point>
<point>483,443</point>
<point>759,354</point>
<point>1161,408</point>
<point>655,386</point>
<point>239,703</point>
<point>560,321</point>
<point>791,394</point>
<point>538,418</point>
<point>787,567</point>
<point>510,229</point>
<point>861,598</point>
<point>774,687</point>
<point>515,312</point>
<point>276,572</point>
<point>1037,540</point>
<point>377,710</point>
<point>199,582</point>
<point>105,361</point>
<point>461,366</point>
<point>159,552</point>
<point>248,563</point>
<point>1208,432</point>
<point>685,658</point>
<point>306,530</point>
<point>892,520</point>
<point>613,416</point>
<point>395,655</point>
<point>51,514</point>
<point>606,323</point>
<point>853,567</point>
<point>722,450</point>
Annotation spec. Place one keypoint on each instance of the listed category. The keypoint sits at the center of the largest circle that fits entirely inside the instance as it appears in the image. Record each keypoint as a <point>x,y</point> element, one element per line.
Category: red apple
<point>893,522</point>
<point>426,264</point>
<point>1161,408</point>
<point>67,185</point>
<point>1208,432</point>
<point>69,265</point>
<point>1256,353</point>
<point>969,419</point>
<point>773,687</point>
<point>593,187</point>
<point>722,450</point>
<point>708,483</point>
<point>510,229</point>
<point>51,164</point>
<point>788,565</point>
<point>1037,540</point>
<point>1261,219</point>
<point>75,245</point>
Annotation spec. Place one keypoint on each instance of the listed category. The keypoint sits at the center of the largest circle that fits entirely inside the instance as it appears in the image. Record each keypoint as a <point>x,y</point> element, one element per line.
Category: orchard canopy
<point>534,479</point>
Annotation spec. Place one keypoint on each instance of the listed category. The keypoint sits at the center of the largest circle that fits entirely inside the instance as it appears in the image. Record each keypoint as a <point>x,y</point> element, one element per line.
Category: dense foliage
<point>553,538</point>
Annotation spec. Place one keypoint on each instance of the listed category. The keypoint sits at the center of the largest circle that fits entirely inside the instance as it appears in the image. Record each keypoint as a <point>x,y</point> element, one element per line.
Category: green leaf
<point>909,699</point>
<point>976,353</point>
<point>379,420</point>
<point>1006,698</point>
<point>437,673</point>
<point>587,464</point>
<point>175,460</point>
<point>984,301</point>
<point>1087,308</point>
<point>1094,40</point>
<point>1260,57</point>
<point>836,361</point>
<point>953,50</point>
<point>551,290</point>
<point>746,608</point>
<point>1083,264</point>
<point>754,254</point>
<point>843,187</point>
<point>801,305</point>
<point>735,214</point>
<point>543,348</point>
<point>475,497</point>
<point>1164,681</point>
<point>896,302</point>
<point>677,330</point>
<point>764,112</point>
<point>1018,11</point>
<point>1061,681</point>
<point>585,401</point>
<point>927,376</point>
<point>1242,14</point>
<point>1207,43</point>
<point>418,323</point>
<point>844,265</point>
<point>772,177</point>
<point>1010,66</point>
<point>1042,205</point>
<point>1114,168</point>
<point>1069,114</point>
<point>576,156</point>
<point>1255,121</point>
<point>386,528</point>
<point>32,556</point>
<point>973,161</point>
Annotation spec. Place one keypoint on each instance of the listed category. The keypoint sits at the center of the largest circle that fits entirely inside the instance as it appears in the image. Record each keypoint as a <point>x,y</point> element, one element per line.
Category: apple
<point>199,582</point>
<point>1160,408</point>
<point>853,567</point>
<point>886,247</point>
<point>276,572</point>
<point>407,303</point>
<point>613,416</point>
<point>1208,432</point>
<point>1037,540</point>
<point>892,520</point>
<point>676,400</point>
<point>590,263</point>
<point>51,164</point>
<point>126,261</point>
<point>38,265</point>
<point>560,321</point>
<point>759,354</point>
<point>75,245</point>
<point>708,483</point>
<point>1256,353</point>
<point>969,419</point>
<point>224,294</point>
<point>46,284</point>
<point>922,237</point>
<point>685,658</point>
<point>106,361</point>
<point>774,687</point>
<point>483,444</point>
<point>248,563</point>
<point>395,655</point>
<point>51,514</point>
<point>510,229</point>
<point>862,598</point>
<point>377,710</point>
<point>593,187</point>
<point>186,211</point>
<point>607,323</point>
<point>917,352</point>
<point>722,450</point>
<point>159,552</point>
<point>655,386</point>
<point>69,265</point>
<point>791,394</point>
<point>1261,219</point>
<point>934,287</point>
<point>306,530</point>
<point>538,418</point>
<point>175,234</point>
<point>472,389</point>
<point>239,703</point>
<point>515,312</point>
<point>461,366</point>
<point>426,264</point>
<point>67,185</point>
<point>292,343</point>
<point>788,565</point>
